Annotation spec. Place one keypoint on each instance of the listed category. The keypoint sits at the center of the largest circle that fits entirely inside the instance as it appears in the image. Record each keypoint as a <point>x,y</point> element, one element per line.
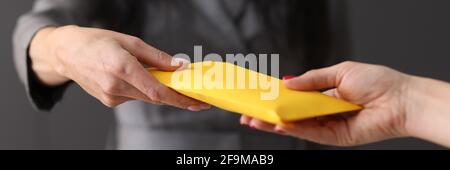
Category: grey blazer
<point>303,32</point>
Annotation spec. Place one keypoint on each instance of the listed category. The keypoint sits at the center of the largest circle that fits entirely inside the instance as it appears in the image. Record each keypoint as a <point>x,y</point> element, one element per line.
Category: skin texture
<point>106,64</point>
<point>395,105</point>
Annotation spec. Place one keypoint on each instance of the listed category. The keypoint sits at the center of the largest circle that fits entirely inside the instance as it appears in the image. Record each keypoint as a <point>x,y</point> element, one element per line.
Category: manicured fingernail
<point>288,77</point>
<point>205,106</point>
<point>200,107</point>
<point>280,131</point>
<point>241,120</point>
<point>195,108</point>
<point>180,62</point>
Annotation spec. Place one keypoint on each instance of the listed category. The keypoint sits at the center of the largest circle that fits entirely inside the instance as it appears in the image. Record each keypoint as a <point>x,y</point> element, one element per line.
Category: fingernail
<point>195,108</point>
<point>205,106</point>
<point>200,107</point>
<point>288,77</point>
<point>180,62</point>
<point>241,120</point>
<point>280,131</point>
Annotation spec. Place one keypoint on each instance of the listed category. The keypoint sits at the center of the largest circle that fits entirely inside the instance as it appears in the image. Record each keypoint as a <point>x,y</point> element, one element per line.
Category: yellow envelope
<point>220,84</point>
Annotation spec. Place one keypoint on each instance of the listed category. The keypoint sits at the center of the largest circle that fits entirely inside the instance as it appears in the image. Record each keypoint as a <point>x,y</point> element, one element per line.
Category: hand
<point>105,64</point>
<point>380,90</point>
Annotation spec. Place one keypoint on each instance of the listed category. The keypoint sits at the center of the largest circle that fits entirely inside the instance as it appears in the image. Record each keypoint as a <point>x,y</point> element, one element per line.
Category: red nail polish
<point>288,77</point>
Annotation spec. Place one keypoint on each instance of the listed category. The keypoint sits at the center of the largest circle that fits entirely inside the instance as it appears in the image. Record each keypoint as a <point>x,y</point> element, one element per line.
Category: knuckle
<point>313,71</point>
<point>153,94</point>
<point>111,87</point>
<point>159,56</point>
<point>135,41</point>
<point>163,57</point>
<point>348,63</point>
<point>120,68</point>
<point>110,101</point>
<point>60,69</point>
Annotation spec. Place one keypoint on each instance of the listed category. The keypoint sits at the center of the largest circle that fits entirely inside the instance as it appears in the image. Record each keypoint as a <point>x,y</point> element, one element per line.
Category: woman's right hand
<point>394,105</point>
<point>105,64</point>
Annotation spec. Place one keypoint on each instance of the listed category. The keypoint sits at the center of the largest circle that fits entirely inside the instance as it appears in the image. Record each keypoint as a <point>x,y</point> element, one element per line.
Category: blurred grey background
<point>412,36</point>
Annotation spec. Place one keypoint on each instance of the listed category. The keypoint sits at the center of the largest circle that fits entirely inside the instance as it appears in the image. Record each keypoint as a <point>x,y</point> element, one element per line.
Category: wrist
<point>44,59</point>
<point>413,106</point>
<point>428,116</point>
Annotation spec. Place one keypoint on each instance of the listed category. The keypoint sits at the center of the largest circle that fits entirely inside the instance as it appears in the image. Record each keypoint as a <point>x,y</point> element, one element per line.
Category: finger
<point>245,120</point>
<point>310,130</point>
<point>317,79</point>
<point>115,86</point>
<point>106,99</point>
<point>332,132</point>
<point>133,93</point>
<point>261,125</point>
<point>150,55</point>
<point>113,101</point>
<point>133,73</point>
<point>170,97</point>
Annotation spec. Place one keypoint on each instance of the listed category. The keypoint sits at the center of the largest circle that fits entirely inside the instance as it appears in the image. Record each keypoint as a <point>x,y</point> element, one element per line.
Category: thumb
<point>150,55</point>
<point>328,77</point>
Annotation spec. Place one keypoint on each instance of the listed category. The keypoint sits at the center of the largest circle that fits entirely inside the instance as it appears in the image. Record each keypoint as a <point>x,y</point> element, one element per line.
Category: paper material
<point>289,106</point>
